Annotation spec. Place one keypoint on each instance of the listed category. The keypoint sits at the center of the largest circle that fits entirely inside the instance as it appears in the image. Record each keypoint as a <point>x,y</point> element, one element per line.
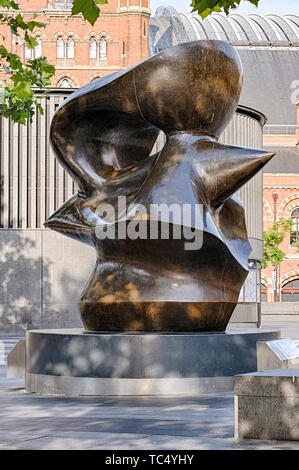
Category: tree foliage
<point>272,239</point>
<point>17,99</point>
<point>88,8</point>
<point>206,7</point>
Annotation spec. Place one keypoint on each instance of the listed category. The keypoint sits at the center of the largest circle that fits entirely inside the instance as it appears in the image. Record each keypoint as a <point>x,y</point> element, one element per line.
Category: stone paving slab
<point>138,426</point>
<point>113,441</point>
<point>13,437</point>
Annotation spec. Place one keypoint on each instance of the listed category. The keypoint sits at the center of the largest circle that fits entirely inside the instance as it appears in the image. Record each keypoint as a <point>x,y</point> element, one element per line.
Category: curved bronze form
<point>103,136</point>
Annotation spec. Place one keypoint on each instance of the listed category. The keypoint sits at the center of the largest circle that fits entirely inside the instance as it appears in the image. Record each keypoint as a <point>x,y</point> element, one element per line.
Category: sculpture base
<point>74,362</point>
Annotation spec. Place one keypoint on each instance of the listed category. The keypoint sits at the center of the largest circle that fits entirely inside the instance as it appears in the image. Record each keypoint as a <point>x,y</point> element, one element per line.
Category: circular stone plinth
<point>74,362</point>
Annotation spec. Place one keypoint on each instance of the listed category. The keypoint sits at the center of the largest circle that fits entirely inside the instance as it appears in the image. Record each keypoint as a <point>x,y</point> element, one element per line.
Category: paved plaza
<point>110,423</point>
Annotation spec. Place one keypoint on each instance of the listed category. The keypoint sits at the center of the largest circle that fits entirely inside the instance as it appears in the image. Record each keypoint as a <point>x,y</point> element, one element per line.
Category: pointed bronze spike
<point>69,220</point>
<point>227,169</point>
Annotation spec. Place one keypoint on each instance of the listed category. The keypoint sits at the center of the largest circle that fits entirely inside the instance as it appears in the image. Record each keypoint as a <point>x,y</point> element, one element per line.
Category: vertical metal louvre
<point>33,183</point>
<point>247,132</point>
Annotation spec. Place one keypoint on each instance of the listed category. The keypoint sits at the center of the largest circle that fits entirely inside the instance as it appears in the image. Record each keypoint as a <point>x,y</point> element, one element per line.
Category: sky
<point>280,7</point>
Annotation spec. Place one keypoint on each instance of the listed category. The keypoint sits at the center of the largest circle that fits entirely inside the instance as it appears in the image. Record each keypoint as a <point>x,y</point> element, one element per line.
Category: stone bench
<point>267,405</point>
<point>277,354</point>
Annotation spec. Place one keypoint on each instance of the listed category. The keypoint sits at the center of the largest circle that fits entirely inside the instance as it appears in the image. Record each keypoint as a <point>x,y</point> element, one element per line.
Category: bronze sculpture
<point>103,135</point>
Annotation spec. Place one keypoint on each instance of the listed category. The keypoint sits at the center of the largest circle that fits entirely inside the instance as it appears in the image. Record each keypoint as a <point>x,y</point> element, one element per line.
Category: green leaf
<point>31,41</point>
<point>9,4</point>
<point>88,8</point>
<point>206,13</point>
<point>34,24</point>
<point>206,7</point>
<point>14,31</point>
<point>22,89</point>
<point>273,238</point>
<point>46,76</point>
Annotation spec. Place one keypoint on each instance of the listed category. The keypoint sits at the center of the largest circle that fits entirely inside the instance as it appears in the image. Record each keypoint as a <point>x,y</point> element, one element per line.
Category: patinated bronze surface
<point>103,136</point>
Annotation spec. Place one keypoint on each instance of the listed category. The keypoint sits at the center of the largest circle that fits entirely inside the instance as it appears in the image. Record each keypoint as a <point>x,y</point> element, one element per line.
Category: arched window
<point>63,4</point>
<point>290,291</point>
<point>70,48</point>
<point>295,226</point>
<point>38,48</point>
<point>60,48</point>
<point>103,49</point>
<point>263,293</point>
<point>64,83</point>
<point>94,79</point>
<point>27,52</point>
<point>92,48</point>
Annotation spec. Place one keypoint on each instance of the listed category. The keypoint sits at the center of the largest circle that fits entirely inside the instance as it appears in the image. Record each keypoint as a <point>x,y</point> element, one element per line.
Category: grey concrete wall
<point>42,276</point>
<point>280,312</point>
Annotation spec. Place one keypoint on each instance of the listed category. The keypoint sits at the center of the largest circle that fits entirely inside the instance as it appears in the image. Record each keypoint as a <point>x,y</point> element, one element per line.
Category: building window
<point>64,83</point>
<point>28,52</point>
<point>92,48</point>
<point>34,53</point>
<point>63,4</point>
<point>70,48</point>
<point>295,226</point>
<point>103,49</point>
<point>60,48</point>
<point>38,48</point>
<point>290,291</point>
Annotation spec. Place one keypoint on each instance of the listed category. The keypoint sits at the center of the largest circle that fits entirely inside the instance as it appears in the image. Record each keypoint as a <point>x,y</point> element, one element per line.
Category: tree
<point>206,7</point>
<point>272,239</point>
<point>91,11</point>
<point>18,101</point>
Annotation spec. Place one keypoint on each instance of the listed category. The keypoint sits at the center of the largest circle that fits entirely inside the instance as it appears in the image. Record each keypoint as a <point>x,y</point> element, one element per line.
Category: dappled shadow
<point>24,274</point>
<point>267,405</point>
<point>145,355</point>
<point>41,278</point>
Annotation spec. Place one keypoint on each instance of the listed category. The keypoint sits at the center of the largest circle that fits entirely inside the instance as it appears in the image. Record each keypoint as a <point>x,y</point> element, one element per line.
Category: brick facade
<point>281,197</point>
<point>123,24</point>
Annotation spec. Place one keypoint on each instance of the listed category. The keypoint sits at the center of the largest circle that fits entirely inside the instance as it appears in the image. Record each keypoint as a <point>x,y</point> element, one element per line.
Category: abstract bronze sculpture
<point>103,135</point>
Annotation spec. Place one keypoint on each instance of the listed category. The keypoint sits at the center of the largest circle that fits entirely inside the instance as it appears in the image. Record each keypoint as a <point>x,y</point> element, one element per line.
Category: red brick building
<point>281,199</point>
<point>79,51</point>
